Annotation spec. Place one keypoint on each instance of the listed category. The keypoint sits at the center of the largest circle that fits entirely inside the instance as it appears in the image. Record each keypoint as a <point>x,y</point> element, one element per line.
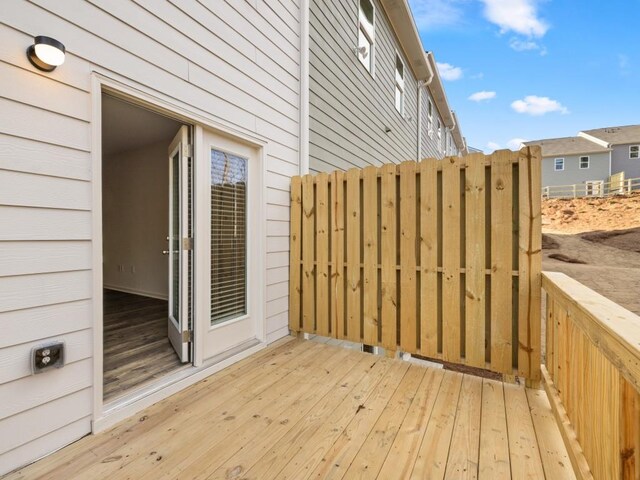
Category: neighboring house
<point>144,185</point>
<point>375,96</point>
<point>591,156</point>
<point>573,160</point>
<point>624,143</point>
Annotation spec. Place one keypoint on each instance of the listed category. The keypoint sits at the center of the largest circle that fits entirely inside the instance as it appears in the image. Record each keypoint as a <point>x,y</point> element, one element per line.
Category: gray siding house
<point>624,143</point>
<point>375,96</point>
<point>573,161</point>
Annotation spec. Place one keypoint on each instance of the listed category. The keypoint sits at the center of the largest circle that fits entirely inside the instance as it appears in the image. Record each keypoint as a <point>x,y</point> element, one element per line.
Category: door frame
<point>106,415</point>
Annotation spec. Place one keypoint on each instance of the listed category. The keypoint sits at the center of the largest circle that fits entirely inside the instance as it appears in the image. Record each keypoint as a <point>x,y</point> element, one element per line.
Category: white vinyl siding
<point>234,63</point>
<point>584,162</point>
<point>634,151</point>
<point>366,34</point>
<point>558,164</point>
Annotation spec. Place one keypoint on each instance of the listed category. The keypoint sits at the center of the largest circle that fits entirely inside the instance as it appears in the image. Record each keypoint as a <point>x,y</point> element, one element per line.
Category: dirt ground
<point>597,242</point>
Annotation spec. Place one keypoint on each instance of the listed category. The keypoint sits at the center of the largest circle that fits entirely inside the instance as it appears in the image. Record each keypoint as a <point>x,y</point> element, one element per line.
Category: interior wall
<point>135,220</point>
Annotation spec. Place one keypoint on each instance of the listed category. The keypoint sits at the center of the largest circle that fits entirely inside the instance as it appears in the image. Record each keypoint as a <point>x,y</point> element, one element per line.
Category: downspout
<point>304,87</point>
<point>422,84</point>
<point>419,153</point>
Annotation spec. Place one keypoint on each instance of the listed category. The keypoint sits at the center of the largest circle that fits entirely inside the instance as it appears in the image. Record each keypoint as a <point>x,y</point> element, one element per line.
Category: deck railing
<point>592,378</point>
<point>439,258</point>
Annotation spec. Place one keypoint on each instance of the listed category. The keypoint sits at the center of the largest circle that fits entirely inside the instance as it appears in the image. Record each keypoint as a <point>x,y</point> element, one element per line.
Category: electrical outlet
<point>133,269</point>
<point>46,357</point>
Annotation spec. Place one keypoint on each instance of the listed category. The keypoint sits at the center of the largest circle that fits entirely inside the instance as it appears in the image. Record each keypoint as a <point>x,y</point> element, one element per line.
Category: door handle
<point>167,252</point>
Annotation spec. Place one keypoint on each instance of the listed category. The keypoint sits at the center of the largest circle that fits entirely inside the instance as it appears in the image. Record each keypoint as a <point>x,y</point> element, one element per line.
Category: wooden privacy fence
<point>439,258</point>
<point>592,378</point>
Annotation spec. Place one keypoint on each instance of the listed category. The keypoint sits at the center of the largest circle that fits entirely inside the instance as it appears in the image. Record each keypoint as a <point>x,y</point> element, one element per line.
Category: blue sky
<point>538,68</point>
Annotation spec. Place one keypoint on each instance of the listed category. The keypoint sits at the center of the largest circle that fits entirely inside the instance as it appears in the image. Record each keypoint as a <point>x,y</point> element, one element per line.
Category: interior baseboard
<point>134,291</point>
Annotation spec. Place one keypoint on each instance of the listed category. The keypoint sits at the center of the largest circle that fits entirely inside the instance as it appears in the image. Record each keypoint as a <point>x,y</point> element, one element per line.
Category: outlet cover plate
<point>47,357</point>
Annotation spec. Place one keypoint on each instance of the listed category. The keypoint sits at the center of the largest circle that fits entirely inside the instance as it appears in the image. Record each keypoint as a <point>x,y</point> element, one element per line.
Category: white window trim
<point>580,162</point>
<point>371,36</point>
<point>637,153</point>
<point>399,83</point>
<point>555,165</point>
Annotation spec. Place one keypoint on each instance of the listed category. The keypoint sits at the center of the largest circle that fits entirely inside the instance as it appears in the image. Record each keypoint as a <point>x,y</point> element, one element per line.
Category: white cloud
<point>477,76</point>
<point>514,143</point>
<point>536,106</point>
<point>520,45</point>
<point>493,146</point>
<point>449,72</point>
<point>483,95</point>
<point>519,16</point>
<point>429,14</point>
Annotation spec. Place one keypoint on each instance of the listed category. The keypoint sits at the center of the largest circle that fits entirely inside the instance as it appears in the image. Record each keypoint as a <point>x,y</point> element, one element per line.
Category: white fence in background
<point>595,188</point>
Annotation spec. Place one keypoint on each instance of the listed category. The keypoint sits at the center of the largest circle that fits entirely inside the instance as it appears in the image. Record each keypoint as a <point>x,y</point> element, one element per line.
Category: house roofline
<point>593,139</point>
<point>399,14</point>
<point>439,95</point>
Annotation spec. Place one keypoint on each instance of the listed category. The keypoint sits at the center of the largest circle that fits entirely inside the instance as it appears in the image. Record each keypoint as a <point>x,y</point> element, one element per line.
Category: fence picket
<point>308,268</point>
<point>337,255</point>
<point>388,217</point>
<point>529,266</point>
<point>354,283</point>
<point>501,262</point>
<point>429,258</point>
<point>408,324</point>
<point>295,251</point>
<point>322,254</point>
<point>451,260</point>
<point>475,259</point>
<point>370,243</point>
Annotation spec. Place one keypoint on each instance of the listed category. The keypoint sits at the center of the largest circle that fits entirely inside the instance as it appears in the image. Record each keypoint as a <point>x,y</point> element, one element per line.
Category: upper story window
<point>399,85</point>
<point>584,162</point>
<point>439,127</point>
<point>366,34</point>
<point>430,117</point>
<point>634,151</point>
<point>558,164</point>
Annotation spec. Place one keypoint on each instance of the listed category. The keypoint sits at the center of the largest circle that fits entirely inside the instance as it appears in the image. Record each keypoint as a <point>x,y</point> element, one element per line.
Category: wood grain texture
<point>501,262</point>
<point>475,227</point>
<point>353,249</point>
<point>529,263</point>
<point>452,333</point>
<point>388,245</point>
<point>337,256</point>
<point>322,254</point>
<point>308,255</point>
<point>295,250</point>
<point>408,284</point>
<point>370,244</point>
<point>429,258</point>
<point>309,410</point>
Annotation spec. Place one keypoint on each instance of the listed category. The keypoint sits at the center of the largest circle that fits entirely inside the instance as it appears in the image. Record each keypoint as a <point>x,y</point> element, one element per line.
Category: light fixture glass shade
<point>46,53</point>
<point>49,54</point>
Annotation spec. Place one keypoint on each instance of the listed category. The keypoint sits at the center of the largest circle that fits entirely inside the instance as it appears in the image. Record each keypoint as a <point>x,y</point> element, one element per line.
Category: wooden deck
<point>304,409</point>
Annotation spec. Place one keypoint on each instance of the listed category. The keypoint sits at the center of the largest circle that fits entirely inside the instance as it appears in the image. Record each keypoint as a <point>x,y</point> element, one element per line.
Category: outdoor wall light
<point>46,53</point>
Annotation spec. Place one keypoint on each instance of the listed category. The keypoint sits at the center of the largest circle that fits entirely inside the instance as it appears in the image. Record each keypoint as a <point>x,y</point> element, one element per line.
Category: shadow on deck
<point>303,409</point>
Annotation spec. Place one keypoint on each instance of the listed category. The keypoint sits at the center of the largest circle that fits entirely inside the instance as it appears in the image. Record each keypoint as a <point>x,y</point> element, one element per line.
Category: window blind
<point>228,236</point>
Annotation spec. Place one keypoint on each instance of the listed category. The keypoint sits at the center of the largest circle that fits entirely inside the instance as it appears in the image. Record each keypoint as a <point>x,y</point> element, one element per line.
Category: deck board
<point>310,410</point>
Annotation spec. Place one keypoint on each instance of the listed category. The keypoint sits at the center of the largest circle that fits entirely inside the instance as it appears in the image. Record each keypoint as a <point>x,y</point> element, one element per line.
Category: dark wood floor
<point>136,347</point>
